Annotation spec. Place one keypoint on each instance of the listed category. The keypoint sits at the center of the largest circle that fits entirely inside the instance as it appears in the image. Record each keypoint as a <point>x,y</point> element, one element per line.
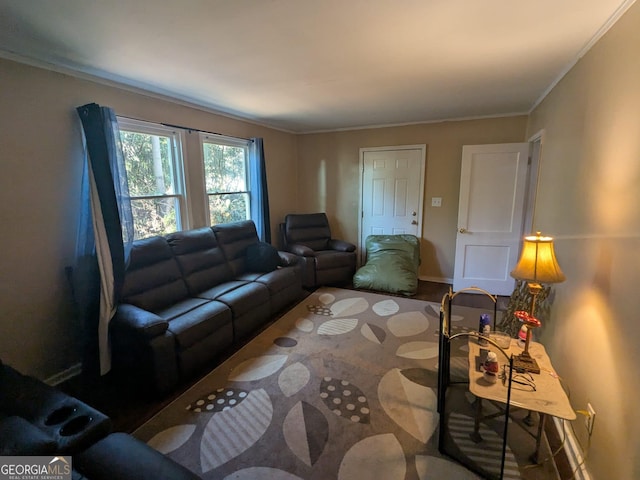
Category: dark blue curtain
<point>260,196</point>
<point>105,232</point>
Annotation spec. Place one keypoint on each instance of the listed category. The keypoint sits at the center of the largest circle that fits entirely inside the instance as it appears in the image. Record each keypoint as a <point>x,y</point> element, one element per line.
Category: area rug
<point>343,386</point>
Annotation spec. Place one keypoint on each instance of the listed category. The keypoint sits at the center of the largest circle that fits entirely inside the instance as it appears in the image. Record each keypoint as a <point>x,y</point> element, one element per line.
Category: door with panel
<point>392,184</point>
<point>490,216</point>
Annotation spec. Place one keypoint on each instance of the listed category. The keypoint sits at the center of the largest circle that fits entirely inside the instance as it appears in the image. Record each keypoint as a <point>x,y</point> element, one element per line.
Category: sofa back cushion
<point>153,279</point>
<point>201,260</point>
<point>234,238</point>
<point>262,257</point>
<point>311,230</point>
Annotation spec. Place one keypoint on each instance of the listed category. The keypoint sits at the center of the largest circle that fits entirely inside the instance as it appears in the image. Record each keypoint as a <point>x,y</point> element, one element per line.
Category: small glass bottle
<point>484,329</point>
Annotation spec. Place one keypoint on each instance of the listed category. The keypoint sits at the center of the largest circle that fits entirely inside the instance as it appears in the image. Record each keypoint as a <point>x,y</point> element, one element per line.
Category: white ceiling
<point>314,65</point>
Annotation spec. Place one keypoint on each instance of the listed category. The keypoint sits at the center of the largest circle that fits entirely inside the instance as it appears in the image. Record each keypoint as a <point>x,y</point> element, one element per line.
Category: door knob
<point>413,222</point>
<point>414,214</point>
<point>463,230</point>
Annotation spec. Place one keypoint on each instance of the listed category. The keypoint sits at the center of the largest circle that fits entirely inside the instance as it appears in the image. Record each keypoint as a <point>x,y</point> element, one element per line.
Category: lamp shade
<point>537,263</point>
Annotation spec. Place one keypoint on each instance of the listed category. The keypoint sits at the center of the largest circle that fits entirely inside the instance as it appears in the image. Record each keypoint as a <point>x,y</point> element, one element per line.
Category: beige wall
<point>40,169</point>
<point>330,176</point>
<point>589,199</point>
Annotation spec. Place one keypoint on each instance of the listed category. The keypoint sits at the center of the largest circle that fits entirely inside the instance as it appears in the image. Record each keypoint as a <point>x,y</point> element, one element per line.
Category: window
<point>153,159</point>
<point>226,178</point>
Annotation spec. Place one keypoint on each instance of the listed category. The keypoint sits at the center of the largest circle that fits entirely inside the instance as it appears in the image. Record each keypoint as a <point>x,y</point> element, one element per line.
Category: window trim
<point>177,141</point>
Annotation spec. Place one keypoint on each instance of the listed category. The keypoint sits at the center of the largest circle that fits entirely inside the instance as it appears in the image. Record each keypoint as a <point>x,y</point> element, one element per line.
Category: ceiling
<point>316,65</point>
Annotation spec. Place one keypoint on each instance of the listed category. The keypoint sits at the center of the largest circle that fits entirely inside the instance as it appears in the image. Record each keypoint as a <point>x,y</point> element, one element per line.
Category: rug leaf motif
<point>257,367</point>
<point>349,307</point>
<point>252,473</point>
<point>380,456</point>
<point>410,405</point>
<point>345,399</point>
<point>306,431</point>
<point>488,453</point>
<point>429,466</point>
<point>418,350</point>
<point>373,333</point>
<point>408,323</point>
<point>386,308</point>
<point>293,379</point>
<point>337,327</point>
<point>172,438</point>
<point>231,432</point>
<point>304,325</point>
<point>219,400</point>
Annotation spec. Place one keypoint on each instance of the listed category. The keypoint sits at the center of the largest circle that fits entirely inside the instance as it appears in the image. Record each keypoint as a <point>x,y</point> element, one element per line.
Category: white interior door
<point>490,216</point>
<point>392,186</point>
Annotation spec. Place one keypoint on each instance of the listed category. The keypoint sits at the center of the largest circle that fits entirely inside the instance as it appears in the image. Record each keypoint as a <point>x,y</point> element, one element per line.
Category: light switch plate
<point>436,201</point>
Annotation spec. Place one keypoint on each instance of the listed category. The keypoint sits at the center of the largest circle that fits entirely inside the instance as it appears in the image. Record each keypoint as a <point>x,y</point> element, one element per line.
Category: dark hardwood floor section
<point>129,405</point>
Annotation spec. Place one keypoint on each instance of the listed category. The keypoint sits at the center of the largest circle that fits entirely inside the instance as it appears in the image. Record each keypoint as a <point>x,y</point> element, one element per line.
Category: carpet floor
<point>343,386</point>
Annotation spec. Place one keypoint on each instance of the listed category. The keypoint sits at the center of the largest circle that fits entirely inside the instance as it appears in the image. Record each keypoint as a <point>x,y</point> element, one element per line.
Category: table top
<point>549,396</point>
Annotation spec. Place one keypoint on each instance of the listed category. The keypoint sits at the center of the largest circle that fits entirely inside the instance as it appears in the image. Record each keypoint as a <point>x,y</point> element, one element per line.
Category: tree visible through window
<point>226,181</point>
<point>154,171</point>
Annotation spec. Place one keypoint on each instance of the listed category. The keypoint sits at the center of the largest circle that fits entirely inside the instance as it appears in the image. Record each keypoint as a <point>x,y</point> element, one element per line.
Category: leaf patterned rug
<point>343,386</point>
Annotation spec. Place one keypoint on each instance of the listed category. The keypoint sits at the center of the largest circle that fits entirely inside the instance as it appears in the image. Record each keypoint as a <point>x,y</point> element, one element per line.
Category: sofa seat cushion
<point>275,281</point>
<point>181,308</point>
<point>214,292</point>
<point>242,299</point>
<point>198,323</point>
<point>329,259</point>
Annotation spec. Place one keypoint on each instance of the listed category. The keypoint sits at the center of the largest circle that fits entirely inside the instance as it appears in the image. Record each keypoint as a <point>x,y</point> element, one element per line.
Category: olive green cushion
<point>392,264</point>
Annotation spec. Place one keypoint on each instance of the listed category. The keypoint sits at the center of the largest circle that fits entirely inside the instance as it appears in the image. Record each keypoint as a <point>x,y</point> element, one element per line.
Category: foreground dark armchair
<point>323,260</point>
<point>37,419</point>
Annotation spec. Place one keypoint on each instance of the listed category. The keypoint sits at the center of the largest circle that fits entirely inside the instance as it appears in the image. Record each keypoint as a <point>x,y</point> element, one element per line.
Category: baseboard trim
<point>435,279</point>
<point>65,375</point>
<point>573,451</point>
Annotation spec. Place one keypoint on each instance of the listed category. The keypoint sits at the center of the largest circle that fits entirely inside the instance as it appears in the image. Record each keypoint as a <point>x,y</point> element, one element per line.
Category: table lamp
<point>537,265</point>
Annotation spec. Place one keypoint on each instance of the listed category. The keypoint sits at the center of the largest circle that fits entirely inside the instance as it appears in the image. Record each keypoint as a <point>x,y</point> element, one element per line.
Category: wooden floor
<point>129,407</point>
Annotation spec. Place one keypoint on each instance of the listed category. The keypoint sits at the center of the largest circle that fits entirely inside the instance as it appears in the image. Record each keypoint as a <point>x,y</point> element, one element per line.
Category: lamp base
<point>525,362</point>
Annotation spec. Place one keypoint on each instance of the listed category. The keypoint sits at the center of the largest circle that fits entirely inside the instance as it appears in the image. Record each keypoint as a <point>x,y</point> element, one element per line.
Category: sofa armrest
<point>287,259</point>
<point>301,250</point>
<point>142,322</point>
<point>341,245</point>
<point>20,437</point>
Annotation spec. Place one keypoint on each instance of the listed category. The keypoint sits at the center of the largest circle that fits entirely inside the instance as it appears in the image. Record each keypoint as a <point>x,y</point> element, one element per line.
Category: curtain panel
<point>106,238</point>
<point>260,197</point>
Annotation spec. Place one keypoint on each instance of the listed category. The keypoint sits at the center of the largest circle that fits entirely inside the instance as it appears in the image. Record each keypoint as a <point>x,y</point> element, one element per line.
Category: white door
<point>391,191</point>
<point>490,216</point>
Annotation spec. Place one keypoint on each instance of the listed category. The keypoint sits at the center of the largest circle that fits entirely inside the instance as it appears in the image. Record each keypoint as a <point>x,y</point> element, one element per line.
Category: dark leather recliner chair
<point>323,260</point>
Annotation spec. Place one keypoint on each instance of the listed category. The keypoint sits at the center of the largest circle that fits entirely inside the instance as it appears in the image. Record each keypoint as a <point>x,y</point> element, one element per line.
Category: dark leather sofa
<point>190,295</point>
<point>37,419</point>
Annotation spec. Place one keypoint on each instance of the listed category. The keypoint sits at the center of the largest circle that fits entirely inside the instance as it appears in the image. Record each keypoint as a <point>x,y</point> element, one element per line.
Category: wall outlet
<point>589,418</point>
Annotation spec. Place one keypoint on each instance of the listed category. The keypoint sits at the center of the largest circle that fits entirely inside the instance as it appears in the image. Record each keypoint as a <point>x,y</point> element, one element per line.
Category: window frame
<point>228,141</point>
<point>177,146</point>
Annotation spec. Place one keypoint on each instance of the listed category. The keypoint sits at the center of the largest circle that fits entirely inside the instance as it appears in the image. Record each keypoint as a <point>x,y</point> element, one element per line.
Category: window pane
<point>149,163</point>
<point>228,208</point>
<point>154,216</point>
<point>224,168</point>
